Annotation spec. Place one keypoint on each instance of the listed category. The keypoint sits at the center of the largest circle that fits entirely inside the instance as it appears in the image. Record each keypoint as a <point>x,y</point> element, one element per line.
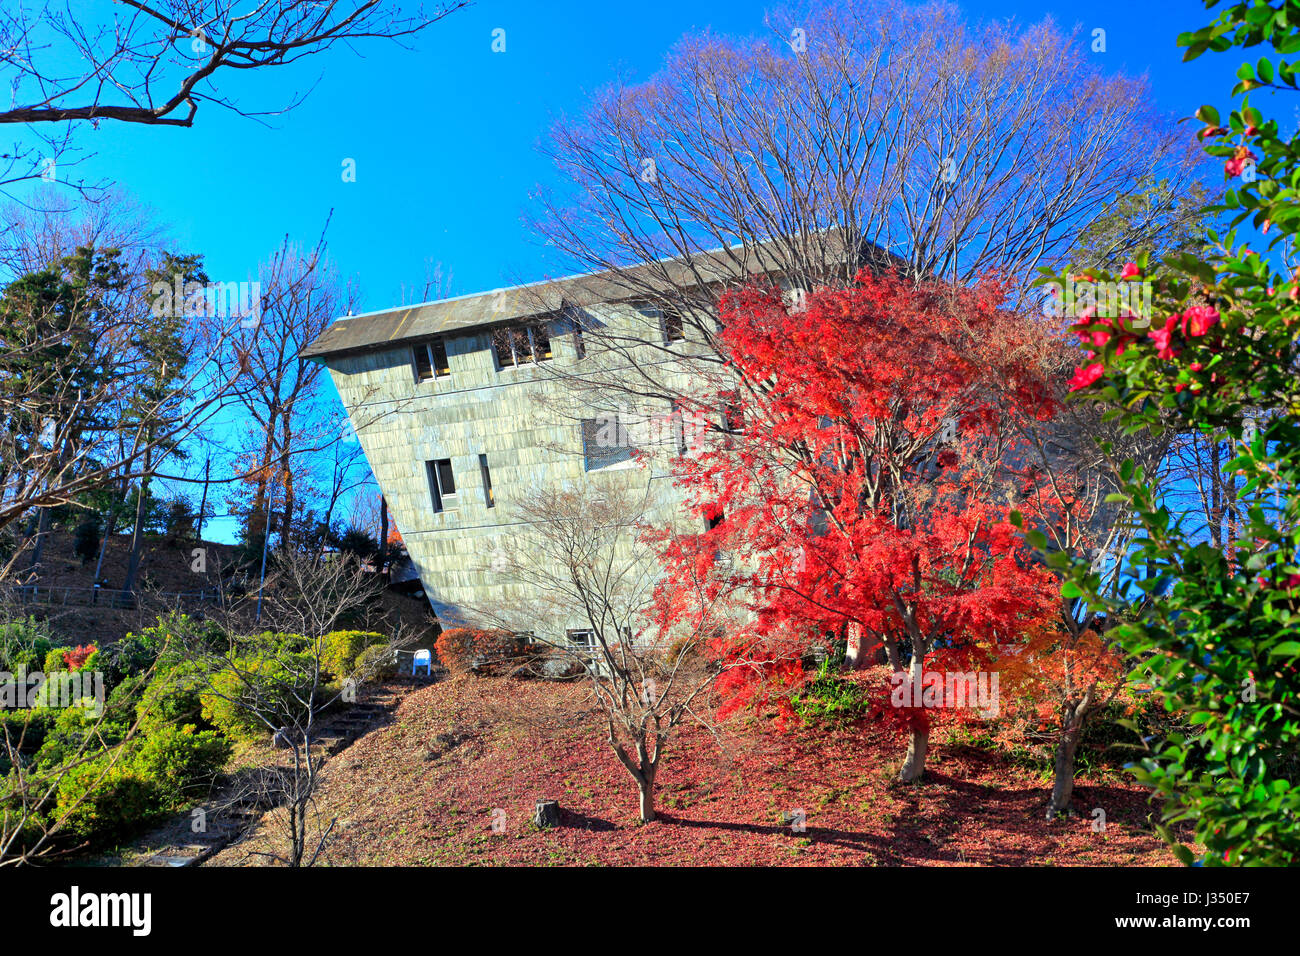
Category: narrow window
<point>442,484</point>
<point>488,497</point>
<point>420,362</point>
<point>674,330</point>
<point>605,442</point>
<point>502,347</point>
<point>717,518</point>
<point>540,340</point>
<point>441,366</point>
<point>579,344</point>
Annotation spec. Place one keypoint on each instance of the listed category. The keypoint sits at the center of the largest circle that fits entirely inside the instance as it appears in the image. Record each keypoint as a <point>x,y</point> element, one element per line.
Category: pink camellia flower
<point>1179,386</point>
<point>1162,336</point>
<point>1130,270</point>
<point>1198,320</point>
<point>1083,377</point>
<point>1196,366</point>
<point>1249,131</point>
<point>1292,583</point>
<point>1237,164</point>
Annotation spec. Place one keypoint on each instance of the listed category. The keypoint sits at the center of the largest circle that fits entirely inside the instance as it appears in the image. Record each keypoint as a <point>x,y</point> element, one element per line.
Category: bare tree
<point>585,579</point>
<point>283,684</point>
<point>155,62</point>
<point>853,137</point>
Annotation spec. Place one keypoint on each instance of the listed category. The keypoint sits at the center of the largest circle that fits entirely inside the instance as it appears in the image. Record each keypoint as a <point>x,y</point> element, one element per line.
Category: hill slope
<point>422,790</point>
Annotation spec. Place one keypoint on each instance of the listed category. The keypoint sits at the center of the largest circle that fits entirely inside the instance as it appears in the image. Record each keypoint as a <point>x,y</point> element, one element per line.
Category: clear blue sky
<point>445,135</point>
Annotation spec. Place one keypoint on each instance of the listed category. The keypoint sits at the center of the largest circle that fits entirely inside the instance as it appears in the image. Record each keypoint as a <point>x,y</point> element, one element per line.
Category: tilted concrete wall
<point>524,419</point>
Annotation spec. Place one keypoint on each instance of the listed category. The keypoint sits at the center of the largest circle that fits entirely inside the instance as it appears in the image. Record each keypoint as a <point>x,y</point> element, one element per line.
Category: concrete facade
<point>522,421</point>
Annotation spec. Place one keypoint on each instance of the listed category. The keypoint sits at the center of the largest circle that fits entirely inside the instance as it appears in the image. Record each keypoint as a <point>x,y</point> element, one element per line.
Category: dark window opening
<point>440,364</point>
<point>442,484</point>
<point>715,520</point>
<point>488,497</point>
<point>581,638</point>
<point>674,329</point>
<point>420,361</point>
<point>605,442</point>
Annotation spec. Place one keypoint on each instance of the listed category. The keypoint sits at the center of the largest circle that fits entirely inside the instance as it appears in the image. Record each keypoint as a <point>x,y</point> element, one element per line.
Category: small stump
<point>547,814</point>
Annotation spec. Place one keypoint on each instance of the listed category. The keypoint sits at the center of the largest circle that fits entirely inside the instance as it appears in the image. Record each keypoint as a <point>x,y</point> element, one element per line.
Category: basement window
<point>442,484</point>
<point>582,638</point>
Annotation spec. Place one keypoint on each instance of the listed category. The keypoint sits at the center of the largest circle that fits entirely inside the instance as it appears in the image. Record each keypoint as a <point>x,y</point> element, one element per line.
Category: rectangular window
<point>581,638</point>
<point>579,344</point>
<point>673,328</point>
<point>441,366</point>
<point>488,498</point>
<point>541,343</point>
<point>442,484</point>
<point>605,442</point>
<point>420,362</point>
<point>515,346</point>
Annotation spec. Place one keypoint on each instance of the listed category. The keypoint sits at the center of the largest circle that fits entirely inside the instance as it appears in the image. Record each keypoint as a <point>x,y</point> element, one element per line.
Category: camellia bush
<point>1219,640</point>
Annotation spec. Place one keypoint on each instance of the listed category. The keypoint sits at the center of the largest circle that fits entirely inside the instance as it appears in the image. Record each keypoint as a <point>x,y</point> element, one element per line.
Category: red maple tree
<point>863,489</point>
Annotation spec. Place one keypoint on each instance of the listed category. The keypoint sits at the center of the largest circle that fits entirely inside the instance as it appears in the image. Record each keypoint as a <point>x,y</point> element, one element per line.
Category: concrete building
<point>466,406</point>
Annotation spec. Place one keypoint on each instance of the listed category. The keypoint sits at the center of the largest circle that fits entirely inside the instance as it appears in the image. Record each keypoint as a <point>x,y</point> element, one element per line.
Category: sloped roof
<point>389,327</point>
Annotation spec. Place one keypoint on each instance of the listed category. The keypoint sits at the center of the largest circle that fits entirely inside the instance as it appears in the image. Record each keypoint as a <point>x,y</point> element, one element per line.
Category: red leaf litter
<point>453,777</point>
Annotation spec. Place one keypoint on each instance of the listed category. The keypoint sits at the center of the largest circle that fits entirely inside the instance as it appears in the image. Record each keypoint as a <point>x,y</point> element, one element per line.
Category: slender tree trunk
<point>919,739</point>
<point>383,532</point>
<point>42,531</point>
<point>1063,782</point>
<point>1066,746</point>
<point>137,534</point>
<point>203,503</point>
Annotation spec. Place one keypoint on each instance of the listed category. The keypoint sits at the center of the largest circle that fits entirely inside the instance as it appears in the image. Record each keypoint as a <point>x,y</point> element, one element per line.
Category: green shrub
<point>55,661</point>
<point>25,730</point>
<point>830,699</point>
<point>105,800</point>
<point>266,687</point>
<point>24,642</point>
<point>181,763</point>
<point>339,650</point>
<point>376,662</point>
<point>78,733</point>
<point>173,698</point>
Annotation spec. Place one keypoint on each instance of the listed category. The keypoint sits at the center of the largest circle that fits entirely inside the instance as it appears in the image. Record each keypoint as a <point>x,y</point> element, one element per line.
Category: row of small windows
<point>520,345</point>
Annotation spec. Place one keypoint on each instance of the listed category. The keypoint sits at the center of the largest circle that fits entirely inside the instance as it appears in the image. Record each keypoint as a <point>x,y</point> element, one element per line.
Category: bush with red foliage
<point>76,658</point>
<point>468,649</point>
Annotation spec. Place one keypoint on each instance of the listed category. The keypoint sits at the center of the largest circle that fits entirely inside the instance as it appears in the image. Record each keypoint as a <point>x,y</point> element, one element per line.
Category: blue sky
<point>445,135</point>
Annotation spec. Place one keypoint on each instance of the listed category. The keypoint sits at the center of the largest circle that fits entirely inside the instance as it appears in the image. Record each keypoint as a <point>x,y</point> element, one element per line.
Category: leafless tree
<point>155,62</point>
<point>583,579</point>
<point>855,136</point>
<point>285,686</point>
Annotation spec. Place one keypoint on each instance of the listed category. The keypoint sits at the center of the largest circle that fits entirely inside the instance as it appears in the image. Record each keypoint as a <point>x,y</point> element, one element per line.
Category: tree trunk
<point>203,504</point>
<point>919,740</point>
<point>647,801</point>
<point>383,532</point>
<point>1063,784</point>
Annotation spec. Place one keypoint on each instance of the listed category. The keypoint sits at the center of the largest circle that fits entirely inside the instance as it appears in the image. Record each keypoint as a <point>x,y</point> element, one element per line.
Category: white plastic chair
<point>423,658</point>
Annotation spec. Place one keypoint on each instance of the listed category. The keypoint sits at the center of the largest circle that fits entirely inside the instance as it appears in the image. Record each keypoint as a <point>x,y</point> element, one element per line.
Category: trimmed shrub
<point>86,539</point>
<point>105,799</point>
<point>466,649</point>
<point>173,698</point>
<point>55,660</point>
<point>181,763</point>
<point>340,649</point>
<point>260,688</point>
<point>376,662</point>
